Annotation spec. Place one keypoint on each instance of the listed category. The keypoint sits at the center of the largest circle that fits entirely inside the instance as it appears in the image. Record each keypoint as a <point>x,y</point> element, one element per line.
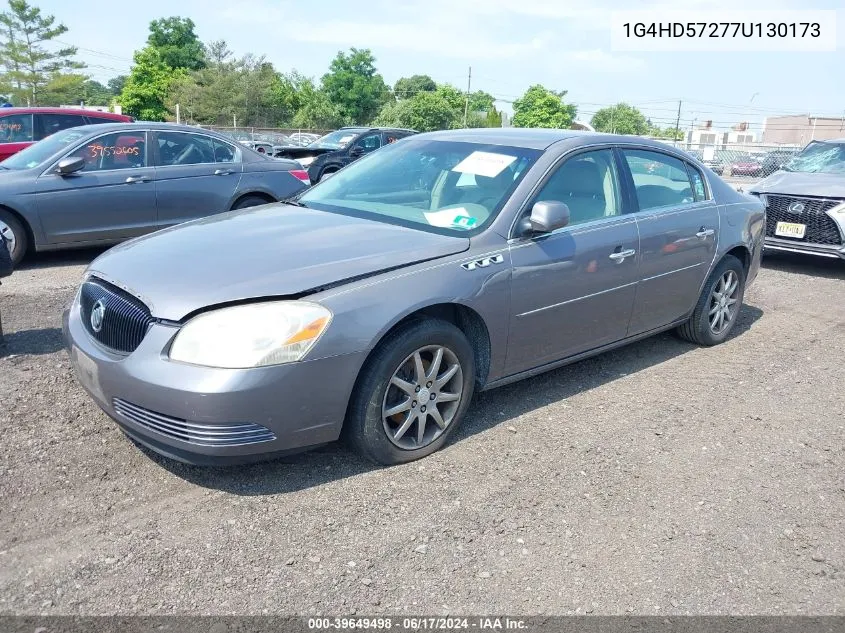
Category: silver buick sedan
<point>373,305</point>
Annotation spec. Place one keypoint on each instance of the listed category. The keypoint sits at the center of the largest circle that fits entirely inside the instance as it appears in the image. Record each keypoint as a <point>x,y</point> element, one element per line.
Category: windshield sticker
<point>454,218</point>
<point>346,139</point>
<point>484,164</point>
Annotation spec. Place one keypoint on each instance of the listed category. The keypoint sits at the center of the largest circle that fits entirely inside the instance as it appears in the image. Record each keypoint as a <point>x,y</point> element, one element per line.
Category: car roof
<point>146,125</point>
<point>48,110</point>
<point>364,128</point>
<point>535,138</point>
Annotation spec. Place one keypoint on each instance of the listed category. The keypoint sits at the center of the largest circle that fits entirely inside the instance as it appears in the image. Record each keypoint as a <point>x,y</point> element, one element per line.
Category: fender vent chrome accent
<point>483,263</point>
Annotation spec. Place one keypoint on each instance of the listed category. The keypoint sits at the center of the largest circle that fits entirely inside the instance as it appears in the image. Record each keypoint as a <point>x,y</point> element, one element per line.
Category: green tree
<point>620,119</point>
<point>29,65</point>
<point>480,101</point>
<point>407,87</point>
<point>316,111</point>
<point>176,42</point>
<point>541,107</point>
<point>148,86</point>
<point>116,84</point>
<point>74,89</point>
<point>354,86</point>
<point>424,112</point>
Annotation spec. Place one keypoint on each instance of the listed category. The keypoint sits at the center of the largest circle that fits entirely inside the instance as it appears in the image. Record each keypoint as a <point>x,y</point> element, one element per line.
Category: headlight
<point>252,335</point>
<point>305,161</point>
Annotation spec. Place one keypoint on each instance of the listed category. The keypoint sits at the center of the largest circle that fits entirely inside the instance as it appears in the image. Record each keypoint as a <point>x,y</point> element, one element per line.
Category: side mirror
<point>68,166</point>
<point>546,216</point>
<point>356,151</point>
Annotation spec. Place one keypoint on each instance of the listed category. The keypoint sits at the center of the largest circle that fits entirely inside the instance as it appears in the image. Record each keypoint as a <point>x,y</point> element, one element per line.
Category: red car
<point>21,127</point>
<point>746,167</point>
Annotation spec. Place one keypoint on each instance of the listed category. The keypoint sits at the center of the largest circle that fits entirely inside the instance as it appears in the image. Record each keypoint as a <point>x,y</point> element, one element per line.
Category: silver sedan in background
<point>374,304</point>
<point>101,184</point>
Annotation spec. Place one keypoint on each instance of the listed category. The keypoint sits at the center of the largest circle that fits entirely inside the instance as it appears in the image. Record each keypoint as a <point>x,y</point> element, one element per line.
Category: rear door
<point>196,176</point>
<point>16,133</point>
<point>112,198</point>
<point>679,226</point>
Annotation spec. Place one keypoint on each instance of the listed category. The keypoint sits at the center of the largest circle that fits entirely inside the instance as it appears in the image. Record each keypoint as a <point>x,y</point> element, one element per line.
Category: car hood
<point>269,251</point>
<point>803,184</point>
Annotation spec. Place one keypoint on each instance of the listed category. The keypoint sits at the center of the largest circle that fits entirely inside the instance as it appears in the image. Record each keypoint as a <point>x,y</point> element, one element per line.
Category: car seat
<point>579,185</point>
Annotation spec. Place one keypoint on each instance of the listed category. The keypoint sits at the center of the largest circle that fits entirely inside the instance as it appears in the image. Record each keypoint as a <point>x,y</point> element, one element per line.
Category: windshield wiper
<point>296,203</point>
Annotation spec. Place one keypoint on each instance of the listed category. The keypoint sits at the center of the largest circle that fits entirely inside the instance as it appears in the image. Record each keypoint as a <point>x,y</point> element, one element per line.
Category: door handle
<point>704,233</point>
<point>223,172</point>
<point>621,256</point>
<point>133,179</point>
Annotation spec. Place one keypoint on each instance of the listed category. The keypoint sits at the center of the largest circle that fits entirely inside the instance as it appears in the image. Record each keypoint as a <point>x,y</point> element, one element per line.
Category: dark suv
<point>21,127</point>
<point>337,149</point>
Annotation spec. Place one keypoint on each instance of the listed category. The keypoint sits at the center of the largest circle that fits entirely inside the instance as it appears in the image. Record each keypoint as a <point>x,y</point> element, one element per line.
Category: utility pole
<point>678,120</point>
<point>466,105</point>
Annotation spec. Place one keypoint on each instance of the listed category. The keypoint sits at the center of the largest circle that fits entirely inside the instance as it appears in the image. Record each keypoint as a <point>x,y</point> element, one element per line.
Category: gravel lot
<point>660,478</point>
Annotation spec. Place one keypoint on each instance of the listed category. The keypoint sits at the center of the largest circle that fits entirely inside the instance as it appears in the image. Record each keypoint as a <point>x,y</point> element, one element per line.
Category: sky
<point>509,44</point>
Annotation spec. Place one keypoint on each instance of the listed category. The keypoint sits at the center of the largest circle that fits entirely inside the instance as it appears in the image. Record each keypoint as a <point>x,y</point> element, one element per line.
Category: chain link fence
<point>745,162</point>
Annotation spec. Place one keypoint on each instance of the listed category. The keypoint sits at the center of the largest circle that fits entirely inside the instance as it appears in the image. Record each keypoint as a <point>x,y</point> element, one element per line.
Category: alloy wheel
<point>9,235</point>
<point>422,398</point>
<point>723,302</point>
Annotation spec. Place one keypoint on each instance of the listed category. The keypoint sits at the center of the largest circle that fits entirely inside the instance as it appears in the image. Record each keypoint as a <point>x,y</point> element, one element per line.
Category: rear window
<point>16,128</point>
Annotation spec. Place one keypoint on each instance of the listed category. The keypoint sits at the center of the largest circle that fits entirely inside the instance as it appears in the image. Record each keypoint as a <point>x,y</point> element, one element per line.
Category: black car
<point>337,149</point>
<point>775,161</point>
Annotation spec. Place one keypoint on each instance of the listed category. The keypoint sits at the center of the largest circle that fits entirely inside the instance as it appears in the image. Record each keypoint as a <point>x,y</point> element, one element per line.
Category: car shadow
<point>32,342</point>
<point>58,259</point>
<point>799,264</point>
<point>334,462</point>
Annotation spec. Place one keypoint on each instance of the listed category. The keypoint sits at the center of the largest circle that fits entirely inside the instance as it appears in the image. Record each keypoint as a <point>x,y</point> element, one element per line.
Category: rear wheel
<point>718,306</point>
<point>14,233</point>
<point>250,201</point>
<point>412,393</point>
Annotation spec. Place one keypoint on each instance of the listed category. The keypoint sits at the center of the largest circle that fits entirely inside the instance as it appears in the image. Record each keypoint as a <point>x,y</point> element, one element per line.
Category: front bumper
<point>806,248</point>
<point>206,416</point>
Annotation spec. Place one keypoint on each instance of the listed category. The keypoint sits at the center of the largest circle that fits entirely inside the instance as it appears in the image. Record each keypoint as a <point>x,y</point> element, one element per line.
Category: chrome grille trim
<point>126,320</point>
<point>821,228</point>
<point>193,432</point>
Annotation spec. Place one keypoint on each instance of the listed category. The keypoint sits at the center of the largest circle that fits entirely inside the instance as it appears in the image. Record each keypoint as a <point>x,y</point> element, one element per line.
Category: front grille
<point>200,434</point>
<point>821,229</point>
<point>125,319</point>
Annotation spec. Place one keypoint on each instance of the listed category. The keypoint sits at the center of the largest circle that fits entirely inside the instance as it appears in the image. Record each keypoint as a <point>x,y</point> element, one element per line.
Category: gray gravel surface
<point>659,478</point>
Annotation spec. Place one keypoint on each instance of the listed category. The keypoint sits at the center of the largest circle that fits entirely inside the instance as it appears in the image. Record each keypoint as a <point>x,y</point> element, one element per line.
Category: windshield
<point>819,157</point>
<point>337,139</point>
<point>41,151</point>
<point>438,186</point>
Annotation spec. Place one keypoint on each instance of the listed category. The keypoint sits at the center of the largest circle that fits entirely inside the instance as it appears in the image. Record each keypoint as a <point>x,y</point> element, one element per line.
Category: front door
<point>679,225</point>
<point>112,198</point>
<point>196,176</point>
<point>573,289</point>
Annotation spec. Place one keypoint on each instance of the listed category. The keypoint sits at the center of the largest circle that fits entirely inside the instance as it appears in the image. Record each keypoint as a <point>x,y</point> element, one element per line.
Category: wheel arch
<point>251,194</point>
<point>465,318</point>
<point>742,253</point>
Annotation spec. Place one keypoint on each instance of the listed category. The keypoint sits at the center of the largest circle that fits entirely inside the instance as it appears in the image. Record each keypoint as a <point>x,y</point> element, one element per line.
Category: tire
<point>325,172</point>
<point>366,428</point>
<point>699,328</point>
<point>250,201</point>
<point>13,230</point>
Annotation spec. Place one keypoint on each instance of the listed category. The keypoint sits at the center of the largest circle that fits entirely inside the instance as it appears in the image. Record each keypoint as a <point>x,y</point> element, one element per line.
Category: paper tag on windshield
<point>484,164</point>
<point>455,218</point>
<point>346,139</point>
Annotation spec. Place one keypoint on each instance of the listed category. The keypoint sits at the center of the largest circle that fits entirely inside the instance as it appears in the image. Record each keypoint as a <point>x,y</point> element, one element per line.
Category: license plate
<point>88,373</point>
<point>790,229</point>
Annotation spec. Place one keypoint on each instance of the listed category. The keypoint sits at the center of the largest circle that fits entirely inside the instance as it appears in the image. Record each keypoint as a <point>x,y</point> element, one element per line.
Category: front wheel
<point>718,306</point>
<point>15,236</point>
<point>412,393</point>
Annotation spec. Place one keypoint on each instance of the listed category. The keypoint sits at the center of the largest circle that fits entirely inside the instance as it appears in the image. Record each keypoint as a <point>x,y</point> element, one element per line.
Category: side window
<point>47,124</point>
<point>16,128</point>
<point>179,148</point>
<point>660,180</point>
<point>588,184</point>
<point>699,191</point>
<point>119,150</point>
<point>96,119</point>
<point>223,152</point>
<point>369,143</point>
